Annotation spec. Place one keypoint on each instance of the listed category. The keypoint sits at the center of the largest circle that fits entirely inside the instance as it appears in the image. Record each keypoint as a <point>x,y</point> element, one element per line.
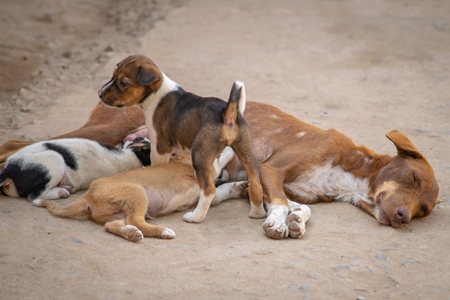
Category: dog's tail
<point>75,210</point>
<point>236,103</point>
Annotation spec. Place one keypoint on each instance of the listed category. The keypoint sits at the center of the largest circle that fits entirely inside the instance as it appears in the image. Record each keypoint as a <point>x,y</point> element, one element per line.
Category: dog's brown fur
<point>399,188</point>
<point>176,118</point>
<point>98,128</point>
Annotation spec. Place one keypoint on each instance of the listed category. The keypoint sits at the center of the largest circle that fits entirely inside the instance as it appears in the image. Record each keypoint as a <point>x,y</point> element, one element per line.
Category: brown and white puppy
<point>306,164</point>
<point>122,202</point>
<point>177,119</point>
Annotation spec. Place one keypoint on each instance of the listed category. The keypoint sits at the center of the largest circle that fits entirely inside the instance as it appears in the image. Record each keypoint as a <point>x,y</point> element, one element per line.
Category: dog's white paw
<point>276,230</point>
<point>192,217</point>
<point>167,233</point>
<point>63,193</point>
<point>257,212</point>
<point>38,202</point>
<point>296,220</point>
<point>275,223</point>
<point>132,233</point>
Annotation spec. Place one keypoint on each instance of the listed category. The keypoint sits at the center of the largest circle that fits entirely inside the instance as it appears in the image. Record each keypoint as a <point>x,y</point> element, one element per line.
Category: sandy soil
<point>364,68</point>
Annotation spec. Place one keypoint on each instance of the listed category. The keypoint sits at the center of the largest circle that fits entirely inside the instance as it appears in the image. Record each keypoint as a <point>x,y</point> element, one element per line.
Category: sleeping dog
<point>177,119</point>
<point>122,202</point>
<point>55,169</point>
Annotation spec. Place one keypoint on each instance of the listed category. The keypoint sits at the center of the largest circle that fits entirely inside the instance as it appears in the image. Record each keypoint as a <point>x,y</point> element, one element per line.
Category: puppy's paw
<point>257,212</point>
<point>296,221</point>
<point>275,223</point>
<point>132,233</point>
<point>63,193</point>
<point>38,202</point>
<point>167,233</point>
<point>276,230</point>
<point>192,217</point>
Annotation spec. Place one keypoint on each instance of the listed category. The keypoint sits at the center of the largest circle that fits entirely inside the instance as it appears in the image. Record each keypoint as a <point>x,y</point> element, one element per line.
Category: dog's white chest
<point>332,182</point>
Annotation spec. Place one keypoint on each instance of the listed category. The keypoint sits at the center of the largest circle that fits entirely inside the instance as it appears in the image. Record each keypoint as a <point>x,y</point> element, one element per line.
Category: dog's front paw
<point>63,193</point>
<point>192,217</point>
<point>296,221</point>
<point>132,233</point>
<point>276,230</point>
<point>275,223</point>
<point>167,233</point>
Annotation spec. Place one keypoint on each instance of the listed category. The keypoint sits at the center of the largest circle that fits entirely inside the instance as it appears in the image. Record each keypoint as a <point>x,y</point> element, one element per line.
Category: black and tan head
<point>134,79</point>
<point>406,187</point>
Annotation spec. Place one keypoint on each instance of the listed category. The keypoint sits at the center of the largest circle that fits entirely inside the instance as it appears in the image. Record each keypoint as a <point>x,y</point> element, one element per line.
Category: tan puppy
<point>178,120</point>
<point>122,202</point>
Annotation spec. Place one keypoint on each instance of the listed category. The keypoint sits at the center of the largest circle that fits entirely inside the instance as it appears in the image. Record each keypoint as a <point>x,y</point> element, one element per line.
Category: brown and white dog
<point>177,119</point>
<point>307,164</point>
<point>122,202</point>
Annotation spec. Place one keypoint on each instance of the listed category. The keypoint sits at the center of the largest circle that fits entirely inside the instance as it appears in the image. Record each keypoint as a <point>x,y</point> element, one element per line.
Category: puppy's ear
<point>403,144</point>
<point>146,76</point>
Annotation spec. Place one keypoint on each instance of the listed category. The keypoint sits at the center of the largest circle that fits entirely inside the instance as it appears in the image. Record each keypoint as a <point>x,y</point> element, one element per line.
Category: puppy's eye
<point>123,83</point>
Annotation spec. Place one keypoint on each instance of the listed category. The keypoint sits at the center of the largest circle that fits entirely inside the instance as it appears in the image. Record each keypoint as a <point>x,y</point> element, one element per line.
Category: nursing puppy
<point>122,202</point>
<point>178,120</point>
<point>55,169</point>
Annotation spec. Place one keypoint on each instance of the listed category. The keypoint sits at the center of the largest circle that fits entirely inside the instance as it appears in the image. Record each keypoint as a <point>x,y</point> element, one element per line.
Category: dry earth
<point>363,67</point>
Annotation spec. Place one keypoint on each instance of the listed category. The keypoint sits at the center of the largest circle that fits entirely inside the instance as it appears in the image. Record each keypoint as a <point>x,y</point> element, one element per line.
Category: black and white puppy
<point>57,168</point>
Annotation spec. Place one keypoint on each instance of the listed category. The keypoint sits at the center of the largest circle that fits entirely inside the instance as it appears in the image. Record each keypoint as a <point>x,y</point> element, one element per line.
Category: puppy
<point>55,169</point>
<point>307,164</point>
<point>122,202</point>
<point>178,120</point>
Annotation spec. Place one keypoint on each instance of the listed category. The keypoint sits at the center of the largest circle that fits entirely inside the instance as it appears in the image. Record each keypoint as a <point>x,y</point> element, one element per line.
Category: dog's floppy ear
<point>403,144</point>
<point>146,76</point>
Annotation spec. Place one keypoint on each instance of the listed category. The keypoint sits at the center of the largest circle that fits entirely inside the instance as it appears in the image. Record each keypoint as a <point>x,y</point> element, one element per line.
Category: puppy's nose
<point>402,216</point>
<point>100,94</point>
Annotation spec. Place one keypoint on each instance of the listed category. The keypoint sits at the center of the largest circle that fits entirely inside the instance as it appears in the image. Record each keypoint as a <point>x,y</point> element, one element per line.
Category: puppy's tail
<point>75,210</point>
<point>236,103</point>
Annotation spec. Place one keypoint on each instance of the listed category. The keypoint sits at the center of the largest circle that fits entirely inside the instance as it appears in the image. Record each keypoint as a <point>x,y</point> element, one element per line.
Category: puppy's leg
<point>296,219</point>
<point>202,162</point>
<point>219,163</point>
<point>55,193</point>
<point>276,202</point>
<point>134,206</point>
<point>245,152</point>
<point>230,190</point>
<point>128,232</point>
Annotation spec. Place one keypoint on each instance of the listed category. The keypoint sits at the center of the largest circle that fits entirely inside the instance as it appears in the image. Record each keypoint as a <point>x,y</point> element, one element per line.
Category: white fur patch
<point>243,98</point>
<point>301,134</point>
<point>149,107</point>
<point>332,182</point>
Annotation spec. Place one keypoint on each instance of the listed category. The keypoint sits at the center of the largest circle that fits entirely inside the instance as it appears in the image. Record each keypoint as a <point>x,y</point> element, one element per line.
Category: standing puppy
<point>178,120</point>
<point>55,169</point>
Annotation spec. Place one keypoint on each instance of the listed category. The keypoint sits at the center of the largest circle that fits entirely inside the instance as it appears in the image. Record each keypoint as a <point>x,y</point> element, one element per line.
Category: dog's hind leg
<point>128,232</point>
<point>245,152</point>
<point>135,209</point>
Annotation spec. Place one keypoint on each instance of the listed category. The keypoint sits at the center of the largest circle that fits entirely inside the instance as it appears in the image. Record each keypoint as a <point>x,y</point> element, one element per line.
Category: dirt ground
<point>362,67</point>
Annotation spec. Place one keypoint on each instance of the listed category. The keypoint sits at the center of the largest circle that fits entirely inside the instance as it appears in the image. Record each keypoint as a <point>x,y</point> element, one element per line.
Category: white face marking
<point>332,182</point>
